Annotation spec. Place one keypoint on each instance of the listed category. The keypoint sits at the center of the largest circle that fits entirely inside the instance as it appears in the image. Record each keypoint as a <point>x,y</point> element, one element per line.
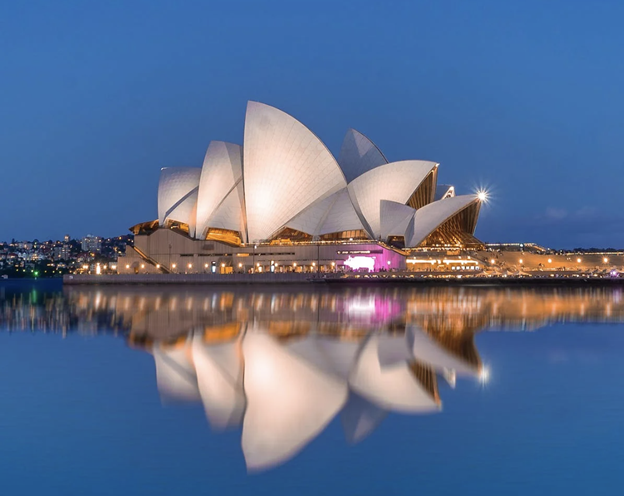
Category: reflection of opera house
<point>280,364</point>
<point>284,389</point>
<point>282,202</point>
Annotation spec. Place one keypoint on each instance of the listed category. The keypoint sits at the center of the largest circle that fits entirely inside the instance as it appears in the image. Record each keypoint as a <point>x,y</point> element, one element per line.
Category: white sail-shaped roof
<point>289,401</point>
<point>395,218</point>
<point>341,216</point>
<point>219,370</point>
<point>395,181</point>
<point>175,375</point>
<point>177,194</point>
<point>444,191</point>
<point>309,220</point>
<point>285,169</point>
<point>221,171</point>
<point>391,388</point>
<point>229,213</point>
<point>358,155</point>
<point>328,215</point>
<point>429,217</point>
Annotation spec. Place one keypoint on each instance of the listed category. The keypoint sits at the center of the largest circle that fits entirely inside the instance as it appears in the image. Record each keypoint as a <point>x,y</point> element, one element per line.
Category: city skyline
<point>518,99</point>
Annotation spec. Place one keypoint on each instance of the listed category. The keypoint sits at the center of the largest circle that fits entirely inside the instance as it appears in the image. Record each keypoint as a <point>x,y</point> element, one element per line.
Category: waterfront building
<point>282,202</point>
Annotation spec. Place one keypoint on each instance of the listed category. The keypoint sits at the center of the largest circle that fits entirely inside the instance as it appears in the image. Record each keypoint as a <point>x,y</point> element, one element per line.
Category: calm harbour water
<point>306,390</point>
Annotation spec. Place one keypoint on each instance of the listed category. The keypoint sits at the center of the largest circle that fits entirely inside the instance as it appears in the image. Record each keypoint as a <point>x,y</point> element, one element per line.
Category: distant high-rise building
<point>67,238</point>
<point>92,243</point>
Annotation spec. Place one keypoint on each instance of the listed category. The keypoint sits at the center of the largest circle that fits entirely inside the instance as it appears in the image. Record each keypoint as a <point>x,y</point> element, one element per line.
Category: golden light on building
<point>550,260</point>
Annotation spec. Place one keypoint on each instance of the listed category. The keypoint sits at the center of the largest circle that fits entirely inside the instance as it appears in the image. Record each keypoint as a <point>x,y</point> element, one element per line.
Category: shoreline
<point>377,279</point>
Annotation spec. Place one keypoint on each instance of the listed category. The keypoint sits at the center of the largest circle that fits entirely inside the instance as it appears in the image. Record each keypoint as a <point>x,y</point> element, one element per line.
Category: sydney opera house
<point>282,202</point>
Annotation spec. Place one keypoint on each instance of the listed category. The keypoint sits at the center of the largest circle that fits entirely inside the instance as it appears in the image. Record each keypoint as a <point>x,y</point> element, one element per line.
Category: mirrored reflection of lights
<point>484,376</point>
<point>315,337</point>
<point>361,305</point>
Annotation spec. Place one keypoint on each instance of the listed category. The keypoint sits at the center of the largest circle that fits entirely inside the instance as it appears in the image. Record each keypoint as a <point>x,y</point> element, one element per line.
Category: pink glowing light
<point>356,263</point>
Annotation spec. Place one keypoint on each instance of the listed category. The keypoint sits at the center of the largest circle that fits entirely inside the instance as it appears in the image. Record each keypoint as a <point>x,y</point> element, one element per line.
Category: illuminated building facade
<point>281,201</point>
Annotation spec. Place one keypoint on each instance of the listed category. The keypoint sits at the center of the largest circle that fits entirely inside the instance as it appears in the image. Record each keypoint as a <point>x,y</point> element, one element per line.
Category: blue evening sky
<point>524,97</point>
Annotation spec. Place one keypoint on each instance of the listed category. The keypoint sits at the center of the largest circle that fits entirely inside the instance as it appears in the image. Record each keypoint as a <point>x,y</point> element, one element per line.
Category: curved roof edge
<point>176,187</point>
<point>221,171</point>
<point>444,191</point>
<point>358,154</point>
<point>395,218</point>
<point>428,218</point>
<point>394,181</point>
<point>286,168</point>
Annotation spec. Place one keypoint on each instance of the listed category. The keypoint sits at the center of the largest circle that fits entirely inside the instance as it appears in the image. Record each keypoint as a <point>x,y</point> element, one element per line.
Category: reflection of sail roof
<point>427,350</point>
<point>392,388</point>
<point>360,417</point>
<point>177,194</point>
<point>358,155</point>
<point>221,171</point>
<point>429,217</point>
<point>175,375</point>
<point>286,168</point>
<point>288,401</point>
<point>219,379</point>
<point>395,181</point>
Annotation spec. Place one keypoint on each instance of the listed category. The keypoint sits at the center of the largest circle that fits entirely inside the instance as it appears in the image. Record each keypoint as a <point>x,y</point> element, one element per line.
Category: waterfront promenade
<point>372,278</point>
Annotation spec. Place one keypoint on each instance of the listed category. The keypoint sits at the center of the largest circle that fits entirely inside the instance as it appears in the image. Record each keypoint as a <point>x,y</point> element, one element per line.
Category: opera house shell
<point>282,187</point>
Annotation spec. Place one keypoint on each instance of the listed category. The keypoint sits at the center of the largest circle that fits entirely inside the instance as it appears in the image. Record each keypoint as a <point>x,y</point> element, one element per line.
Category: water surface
<point>283,390</point>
